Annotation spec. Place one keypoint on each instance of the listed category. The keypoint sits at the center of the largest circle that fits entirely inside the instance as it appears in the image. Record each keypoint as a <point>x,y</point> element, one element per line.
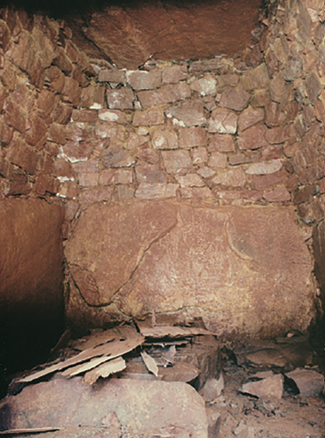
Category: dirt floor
<point>244,416</point>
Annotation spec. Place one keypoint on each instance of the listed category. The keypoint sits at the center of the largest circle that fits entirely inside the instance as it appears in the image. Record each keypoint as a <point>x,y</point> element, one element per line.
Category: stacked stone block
<point>42,76</point>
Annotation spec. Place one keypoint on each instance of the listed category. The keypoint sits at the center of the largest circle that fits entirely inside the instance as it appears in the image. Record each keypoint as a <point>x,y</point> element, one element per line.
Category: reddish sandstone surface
<point>128,34</point>
<point>244,271</point>
<point>31,276</point>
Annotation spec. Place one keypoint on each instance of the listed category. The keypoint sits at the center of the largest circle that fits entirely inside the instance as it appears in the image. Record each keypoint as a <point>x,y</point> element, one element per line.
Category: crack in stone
<point>138,262</point>
<point>124,316</point>
<point>71,279</point>
<point>87,38</point>
<point>141,257</point>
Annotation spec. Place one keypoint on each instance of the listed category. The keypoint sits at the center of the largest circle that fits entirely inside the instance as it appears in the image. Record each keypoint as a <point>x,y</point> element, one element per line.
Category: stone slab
<point>139,407</point>
<point>265,388</point>
<point>130,36</point>
<point>309,382</point>
<point>227,265</point>
<point>284,353</point>
<point>31,278</point>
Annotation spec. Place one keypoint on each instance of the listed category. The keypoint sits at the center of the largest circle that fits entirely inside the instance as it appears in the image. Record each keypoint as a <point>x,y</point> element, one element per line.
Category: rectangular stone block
<point>71,91</point>
<point>176,161</point>
<point>56,133</point>
<point>165,94</point>
<point>222,143</point>
<point>230,178</point>
<point>164,139</point>
<point>116,116</point>
<point>253,138</point>
<point>121,98</point>
<point>84,116</point>
<point>93,97</point>
<point>61,113</point>
<point>23,155</point>
<point>149,117</point>
<point>174,74</point>
<point>189,113</point>
<point>223,121</point>
<point>233,252</point>
<point>112,75</point>
<point>96,194</point>
<point>14,116</point>
<point>191,137</point>
<point>144,80</point>
<point>62,61</point>
<point>46,184</point>
<point>156,191</point>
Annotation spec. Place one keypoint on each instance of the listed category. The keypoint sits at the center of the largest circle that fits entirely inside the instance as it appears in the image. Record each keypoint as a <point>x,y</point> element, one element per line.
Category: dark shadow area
<point>60,8</point>
<point>318,332</point>
<point>26,338</point>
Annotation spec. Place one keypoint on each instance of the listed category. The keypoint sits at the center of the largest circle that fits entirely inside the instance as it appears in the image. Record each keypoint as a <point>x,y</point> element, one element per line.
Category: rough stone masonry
<point>191,187</point>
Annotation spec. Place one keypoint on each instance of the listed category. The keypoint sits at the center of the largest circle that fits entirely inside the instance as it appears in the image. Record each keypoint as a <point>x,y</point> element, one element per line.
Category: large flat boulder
<point>245,271</point>
<point>138,408</point>
<point>31,278</point>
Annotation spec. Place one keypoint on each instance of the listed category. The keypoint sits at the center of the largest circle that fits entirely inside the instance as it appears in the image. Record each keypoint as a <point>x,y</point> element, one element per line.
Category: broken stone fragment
<point>243,431</point>
<point>266,388</point>
<point>213,388</point>
<point>309,382</point>
<point>284,353</point>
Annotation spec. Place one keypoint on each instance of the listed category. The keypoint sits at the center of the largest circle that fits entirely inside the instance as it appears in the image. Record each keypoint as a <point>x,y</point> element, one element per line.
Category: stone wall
<point>42,74</point>
<point>168,147</point>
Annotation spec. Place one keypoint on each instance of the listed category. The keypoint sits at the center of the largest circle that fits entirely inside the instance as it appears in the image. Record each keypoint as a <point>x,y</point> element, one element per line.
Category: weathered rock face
<point>31,276</point>
<point>182,30</point>
<point>228,265</point>
<point>135,407</point>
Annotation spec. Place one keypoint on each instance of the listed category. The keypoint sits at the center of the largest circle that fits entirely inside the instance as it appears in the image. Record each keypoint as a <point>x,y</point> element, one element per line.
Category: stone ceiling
<point>129,33</point>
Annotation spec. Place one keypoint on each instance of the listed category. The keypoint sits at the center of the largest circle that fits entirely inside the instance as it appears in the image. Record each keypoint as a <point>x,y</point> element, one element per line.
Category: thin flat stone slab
<point>69,432</point>
<point>309,382</point>
<point>140,407</point>
<point>195,362</point>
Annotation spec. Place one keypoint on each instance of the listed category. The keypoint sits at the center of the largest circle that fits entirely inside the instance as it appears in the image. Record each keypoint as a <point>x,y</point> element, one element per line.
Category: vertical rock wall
<point>212,139</point>
<point>31,280</point>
